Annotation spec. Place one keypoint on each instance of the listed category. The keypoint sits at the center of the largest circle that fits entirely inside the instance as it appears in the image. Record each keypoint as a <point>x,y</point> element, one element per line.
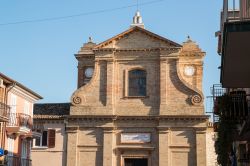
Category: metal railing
<point>26,162</point>
<point>4,109</point>
<point>17,161</point>
<point>216,91</point>
<point>20,120</point>
<point>244,162</point>
<point>232,104</point>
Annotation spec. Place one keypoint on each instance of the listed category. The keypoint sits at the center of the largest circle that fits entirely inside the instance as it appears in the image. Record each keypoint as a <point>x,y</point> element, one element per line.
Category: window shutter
<point>51,138</point>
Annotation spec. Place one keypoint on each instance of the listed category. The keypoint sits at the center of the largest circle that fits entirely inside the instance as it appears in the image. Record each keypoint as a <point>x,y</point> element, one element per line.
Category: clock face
<point>189,70</point>
<point>89,72</point>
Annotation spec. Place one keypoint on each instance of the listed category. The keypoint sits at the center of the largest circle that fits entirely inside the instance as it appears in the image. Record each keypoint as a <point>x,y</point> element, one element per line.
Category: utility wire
<point>137,4</point>
<point>80,14</point>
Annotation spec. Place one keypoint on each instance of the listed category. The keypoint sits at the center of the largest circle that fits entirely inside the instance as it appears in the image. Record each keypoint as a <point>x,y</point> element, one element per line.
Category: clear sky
<point>40,55</point>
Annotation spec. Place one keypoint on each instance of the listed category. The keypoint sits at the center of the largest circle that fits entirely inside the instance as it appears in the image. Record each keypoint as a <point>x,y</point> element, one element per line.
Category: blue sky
<point>41,54</point>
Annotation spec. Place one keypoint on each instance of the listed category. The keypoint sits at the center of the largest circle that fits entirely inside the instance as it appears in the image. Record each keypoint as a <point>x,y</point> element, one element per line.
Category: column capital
<point>108,129</point>
<point>71,129</point>
<point>201,130</point>
<point>163,130</point>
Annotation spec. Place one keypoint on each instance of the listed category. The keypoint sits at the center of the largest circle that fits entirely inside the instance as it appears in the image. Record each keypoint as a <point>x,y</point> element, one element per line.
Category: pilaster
<point>201,147</point>
<point>163,81</point>
<point>108,139</point>
<point>72,145</point>
<point>110,82</point>
<point>163,146</point>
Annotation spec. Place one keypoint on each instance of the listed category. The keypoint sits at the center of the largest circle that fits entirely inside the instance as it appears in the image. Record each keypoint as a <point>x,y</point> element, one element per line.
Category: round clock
<point>189,70</point>
<point>89,72</point>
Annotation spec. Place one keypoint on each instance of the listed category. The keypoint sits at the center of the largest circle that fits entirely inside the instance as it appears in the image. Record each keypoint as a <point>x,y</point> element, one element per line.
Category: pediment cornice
<point>136,29</point>
<point>137,49</point>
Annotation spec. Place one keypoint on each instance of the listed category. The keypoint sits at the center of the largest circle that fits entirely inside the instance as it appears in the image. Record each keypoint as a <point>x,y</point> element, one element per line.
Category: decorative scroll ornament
<point>196,99</point>
<point>77,100</point>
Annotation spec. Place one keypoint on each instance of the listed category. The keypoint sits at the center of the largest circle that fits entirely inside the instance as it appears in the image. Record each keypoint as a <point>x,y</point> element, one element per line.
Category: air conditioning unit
<point>1,83</point>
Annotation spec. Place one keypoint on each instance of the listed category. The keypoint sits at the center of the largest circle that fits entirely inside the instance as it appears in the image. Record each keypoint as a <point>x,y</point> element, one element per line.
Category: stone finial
<point>90,40</point>
<point>190,47</point>
<point>137,20</point>
<point>188,39</point>
<point>87,47</point>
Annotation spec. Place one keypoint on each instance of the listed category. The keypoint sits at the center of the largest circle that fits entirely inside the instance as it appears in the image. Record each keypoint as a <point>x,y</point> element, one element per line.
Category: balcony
<point>234,39</point>
<point>230,104</point>
<point>4,109</point>
<point>17,161</point>
<point>19,123</point>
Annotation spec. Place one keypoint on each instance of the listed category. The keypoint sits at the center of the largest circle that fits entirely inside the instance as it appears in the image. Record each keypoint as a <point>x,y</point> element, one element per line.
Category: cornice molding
<point>157,118</point>
<point>23,94</point>
<point>136,29</point>
<point>137,49</point>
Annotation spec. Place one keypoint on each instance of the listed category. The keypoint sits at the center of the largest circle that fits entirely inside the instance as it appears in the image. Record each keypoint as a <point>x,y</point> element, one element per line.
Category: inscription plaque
<point>135,137</point>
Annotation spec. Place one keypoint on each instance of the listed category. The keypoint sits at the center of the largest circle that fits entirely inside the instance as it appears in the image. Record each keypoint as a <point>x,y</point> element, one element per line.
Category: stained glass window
<point>137,83</point>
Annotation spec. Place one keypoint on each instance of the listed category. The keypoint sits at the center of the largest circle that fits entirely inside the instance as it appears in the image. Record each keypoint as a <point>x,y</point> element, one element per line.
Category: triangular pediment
<point>137,37</point>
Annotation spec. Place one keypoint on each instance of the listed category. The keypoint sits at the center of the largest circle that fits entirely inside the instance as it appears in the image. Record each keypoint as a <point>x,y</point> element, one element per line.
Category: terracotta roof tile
<point>51,110</point>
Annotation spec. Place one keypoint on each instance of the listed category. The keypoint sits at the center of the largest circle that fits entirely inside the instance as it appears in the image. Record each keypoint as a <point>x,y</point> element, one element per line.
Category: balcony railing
<point>230,104</point>
<point>17,161</point>
<point>244,162</point>
<point>19,120</point>
<point>26,162</point>
<point>4,110</point>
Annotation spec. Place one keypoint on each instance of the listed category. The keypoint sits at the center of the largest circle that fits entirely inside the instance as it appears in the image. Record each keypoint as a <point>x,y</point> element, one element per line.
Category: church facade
<point>139,102</point>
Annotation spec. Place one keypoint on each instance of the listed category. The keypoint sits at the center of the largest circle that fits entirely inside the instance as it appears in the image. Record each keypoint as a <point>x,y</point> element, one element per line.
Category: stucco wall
<point>51,156</point>
<point>211,155</point>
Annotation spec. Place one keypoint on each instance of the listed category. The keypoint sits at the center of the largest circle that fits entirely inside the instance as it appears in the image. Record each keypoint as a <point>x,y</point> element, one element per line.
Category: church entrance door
<point>136,162</point>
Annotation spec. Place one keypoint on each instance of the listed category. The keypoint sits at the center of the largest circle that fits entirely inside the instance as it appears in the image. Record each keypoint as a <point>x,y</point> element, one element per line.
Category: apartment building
<point>231,98</point>
<point>17,131</point>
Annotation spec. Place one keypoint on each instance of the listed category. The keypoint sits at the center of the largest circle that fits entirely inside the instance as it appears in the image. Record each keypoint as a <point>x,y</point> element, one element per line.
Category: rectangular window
<point>10,146</point>
<point>26,108</point>
<point>42,140</point>
<point>12,115</point>
<point>37,141</point>
<point>13,103</point>
<point>137,82</point>
<point>46,140</point>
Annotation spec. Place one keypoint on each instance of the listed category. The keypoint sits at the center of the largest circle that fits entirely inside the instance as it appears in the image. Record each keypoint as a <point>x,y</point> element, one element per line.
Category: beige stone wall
<point>101,144</point>
<point>52,156</point>
<point>103,96</point>
<point>106,93</point>
<point>137,39</point>
<point>172,110</point>
<point>211,155</point>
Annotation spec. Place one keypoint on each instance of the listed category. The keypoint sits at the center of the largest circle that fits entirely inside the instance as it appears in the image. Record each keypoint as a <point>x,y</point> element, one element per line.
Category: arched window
<point>137,83</point>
